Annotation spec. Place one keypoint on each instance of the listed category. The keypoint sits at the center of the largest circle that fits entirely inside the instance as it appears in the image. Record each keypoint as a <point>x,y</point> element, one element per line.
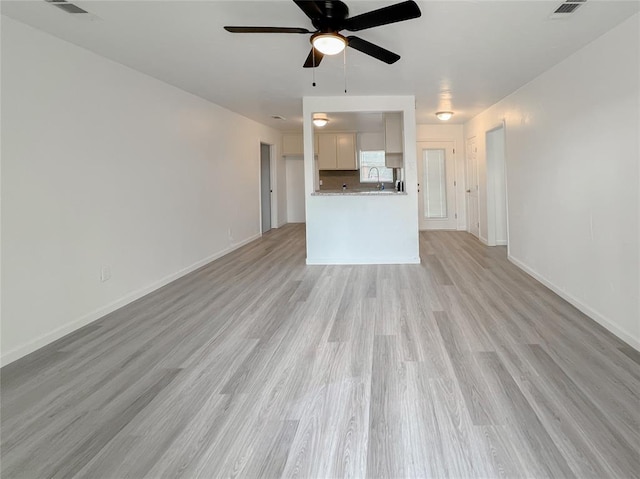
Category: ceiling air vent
<point>66,6</point>
<point>566,8</point>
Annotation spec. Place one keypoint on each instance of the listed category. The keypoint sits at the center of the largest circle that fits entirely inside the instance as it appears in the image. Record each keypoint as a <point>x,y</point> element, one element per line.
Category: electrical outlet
<point>105,273</point>
<point>320,182</point>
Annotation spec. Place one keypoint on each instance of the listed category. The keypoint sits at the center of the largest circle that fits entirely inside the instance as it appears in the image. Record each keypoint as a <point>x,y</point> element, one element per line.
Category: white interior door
<point>472,187</point>
<point>436,185</point>
<point>265,186</point>
<point>496,188</point>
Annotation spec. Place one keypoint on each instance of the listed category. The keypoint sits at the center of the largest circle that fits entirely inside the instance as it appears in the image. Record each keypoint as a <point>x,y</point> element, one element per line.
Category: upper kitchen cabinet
<point>336,151</point>
<point>293,144</point>
<point>393,139</point>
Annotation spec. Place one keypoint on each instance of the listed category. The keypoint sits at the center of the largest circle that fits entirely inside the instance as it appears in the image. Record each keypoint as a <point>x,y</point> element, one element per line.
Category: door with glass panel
<point>436,185</point>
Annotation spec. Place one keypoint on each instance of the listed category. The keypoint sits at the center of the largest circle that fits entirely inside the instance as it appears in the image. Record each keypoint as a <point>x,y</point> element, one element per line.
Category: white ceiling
<point>468,53</point>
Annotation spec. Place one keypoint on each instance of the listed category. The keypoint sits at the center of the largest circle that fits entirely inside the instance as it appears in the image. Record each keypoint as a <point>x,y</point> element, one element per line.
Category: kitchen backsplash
<point>334,179</point>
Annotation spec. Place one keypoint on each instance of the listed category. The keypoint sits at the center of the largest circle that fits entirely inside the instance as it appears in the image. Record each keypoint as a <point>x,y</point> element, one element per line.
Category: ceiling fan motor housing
<point>334,12</point>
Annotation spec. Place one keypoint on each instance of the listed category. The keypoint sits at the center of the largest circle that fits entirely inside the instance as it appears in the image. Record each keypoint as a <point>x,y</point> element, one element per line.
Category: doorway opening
<point>497,218</point>
<point>265,187</point>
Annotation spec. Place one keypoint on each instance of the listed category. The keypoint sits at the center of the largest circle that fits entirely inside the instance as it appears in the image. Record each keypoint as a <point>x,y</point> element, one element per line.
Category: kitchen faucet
<point>378,172</point>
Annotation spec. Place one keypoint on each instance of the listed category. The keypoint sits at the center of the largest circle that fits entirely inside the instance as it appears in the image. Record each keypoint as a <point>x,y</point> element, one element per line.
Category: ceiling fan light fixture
<point>320,119</point>
<point>444,115</point>
<point>328,43</point>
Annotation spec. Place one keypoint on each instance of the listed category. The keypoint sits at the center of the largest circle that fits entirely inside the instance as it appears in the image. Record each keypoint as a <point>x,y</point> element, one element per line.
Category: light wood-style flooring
<point>260,366</point>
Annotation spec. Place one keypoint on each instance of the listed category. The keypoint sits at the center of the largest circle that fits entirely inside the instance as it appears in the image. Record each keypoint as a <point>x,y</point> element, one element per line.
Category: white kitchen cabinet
<point>336,151</point>
<point>327,152</point>
<point>393,140</point>
<point>293,144</point>
<point>346,151</point>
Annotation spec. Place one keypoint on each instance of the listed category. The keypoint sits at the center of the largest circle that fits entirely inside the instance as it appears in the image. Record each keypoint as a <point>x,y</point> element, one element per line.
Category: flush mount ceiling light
<point>320,119</point>
<point>444,115</point>
<point>328,43</point>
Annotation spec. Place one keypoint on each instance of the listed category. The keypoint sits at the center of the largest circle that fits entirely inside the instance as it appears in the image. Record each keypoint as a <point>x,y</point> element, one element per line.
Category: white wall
<point>295,189</point>
<point>455,134</point>
<point>361,229</point>
<point>572,177</point>
<point>102,165</point>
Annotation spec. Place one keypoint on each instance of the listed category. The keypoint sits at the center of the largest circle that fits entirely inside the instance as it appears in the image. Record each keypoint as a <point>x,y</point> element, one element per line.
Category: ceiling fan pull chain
<point>313,54</point>
<point>344,68</point>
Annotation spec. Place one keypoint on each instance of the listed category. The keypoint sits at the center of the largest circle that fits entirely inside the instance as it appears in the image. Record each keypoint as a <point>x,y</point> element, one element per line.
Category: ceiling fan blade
<point>266,30</point>
<point>383,16</point>
<point>313,60</point>
<point>373,50</point>
<point>310,8</point>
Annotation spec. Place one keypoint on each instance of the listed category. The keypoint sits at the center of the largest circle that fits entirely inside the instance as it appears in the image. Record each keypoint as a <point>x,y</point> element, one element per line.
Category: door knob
<point>468,191</point>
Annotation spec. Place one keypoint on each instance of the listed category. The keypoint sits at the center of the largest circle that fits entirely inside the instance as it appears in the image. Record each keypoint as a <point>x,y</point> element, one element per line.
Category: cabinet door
<point>327,152</point>
<point>393,133</point>
<point>394,160</point>
<point>393,140</point>
<point>346,151</point>
<point>292,144</point>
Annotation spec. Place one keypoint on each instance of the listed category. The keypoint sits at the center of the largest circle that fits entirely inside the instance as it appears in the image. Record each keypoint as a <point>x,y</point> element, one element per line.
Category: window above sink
<point>371,160</point>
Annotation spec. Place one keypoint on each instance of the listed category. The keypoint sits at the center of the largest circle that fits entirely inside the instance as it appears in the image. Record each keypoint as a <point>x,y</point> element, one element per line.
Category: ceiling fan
<point>329,17</point>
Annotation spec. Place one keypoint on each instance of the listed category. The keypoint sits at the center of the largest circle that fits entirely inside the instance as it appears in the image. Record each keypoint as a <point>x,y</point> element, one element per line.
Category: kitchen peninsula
<point>361,225</point>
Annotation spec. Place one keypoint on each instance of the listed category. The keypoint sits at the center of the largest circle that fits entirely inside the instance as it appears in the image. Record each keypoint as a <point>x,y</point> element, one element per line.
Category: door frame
<point>272,175</point>
<point>453,207</point>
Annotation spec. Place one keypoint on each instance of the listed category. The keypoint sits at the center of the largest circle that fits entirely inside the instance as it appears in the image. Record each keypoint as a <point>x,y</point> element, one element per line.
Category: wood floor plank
<point>257,365</point>
<point>472,385</point>
<point>423,456</point>
<point>273,452</point>
<point>501,451</point>
<point>461,455</point>
<point>544,454</point>
<point>385,458</point>
<point>631,353</point>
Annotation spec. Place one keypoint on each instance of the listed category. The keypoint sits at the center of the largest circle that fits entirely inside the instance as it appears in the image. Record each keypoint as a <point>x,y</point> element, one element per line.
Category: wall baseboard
<point>348,261</point>
<point>501,242</point>
<point>484,241</point>
<point>593,314</point>
<point>47,338</point>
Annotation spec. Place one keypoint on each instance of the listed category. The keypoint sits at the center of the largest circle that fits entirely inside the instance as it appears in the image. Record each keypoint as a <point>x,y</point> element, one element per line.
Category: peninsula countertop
<point>358,192</point>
